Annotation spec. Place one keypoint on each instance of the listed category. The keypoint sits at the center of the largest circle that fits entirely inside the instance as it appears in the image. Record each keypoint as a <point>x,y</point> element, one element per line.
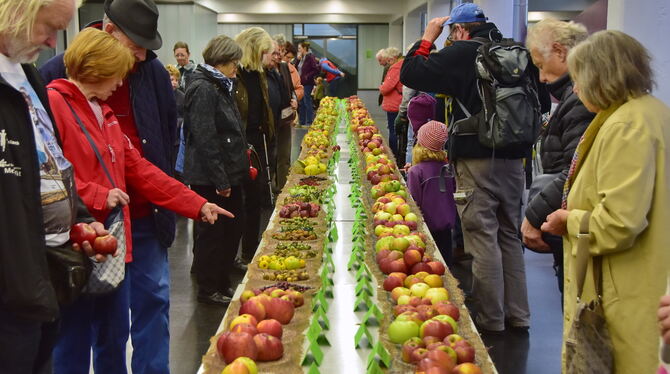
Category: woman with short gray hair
<point>216,165</point>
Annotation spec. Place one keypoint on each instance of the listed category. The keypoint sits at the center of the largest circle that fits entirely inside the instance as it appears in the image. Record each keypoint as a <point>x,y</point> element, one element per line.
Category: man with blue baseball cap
<point>490,183</point>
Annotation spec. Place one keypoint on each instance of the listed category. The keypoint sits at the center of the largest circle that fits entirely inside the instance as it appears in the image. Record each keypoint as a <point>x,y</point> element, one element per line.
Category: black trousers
<point>443,241</point>
<point>25,345</point>
<point>216,245</point>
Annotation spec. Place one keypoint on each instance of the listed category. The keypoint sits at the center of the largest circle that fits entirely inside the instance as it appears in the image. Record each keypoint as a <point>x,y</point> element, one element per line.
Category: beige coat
<point>625,183</point>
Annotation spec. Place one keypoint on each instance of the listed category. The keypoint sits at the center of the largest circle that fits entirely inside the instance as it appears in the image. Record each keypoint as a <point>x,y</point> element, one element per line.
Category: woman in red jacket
<point>96,64</point>
<point>391,91</point>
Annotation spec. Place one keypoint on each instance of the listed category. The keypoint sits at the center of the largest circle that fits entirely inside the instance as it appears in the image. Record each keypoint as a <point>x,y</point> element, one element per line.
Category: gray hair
<point>548,31</point>
<point>392,52</point>
<point>280,39</point>
<point>221,50</point>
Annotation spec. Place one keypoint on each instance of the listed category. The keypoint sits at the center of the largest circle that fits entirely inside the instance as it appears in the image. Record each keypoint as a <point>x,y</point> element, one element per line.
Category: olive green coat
<point>624,181</point>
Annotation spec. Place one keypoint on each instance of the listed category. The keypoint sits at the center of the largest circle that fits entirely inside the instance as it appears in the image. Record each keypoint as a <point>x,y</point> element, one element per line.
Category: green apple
<point>411,217</point>
<point>390,207</point>
<point>403,209</point>
<point>403,299</point>
<point>382,215</point>
<point>396,217</point>
<point>401,230</point>
<point>379,229</point>
<point>437,294</point>
<point>398,200</point>
<point>384,243</point>
<point>402,193</point>
<point>419,289</point>
<point>399,244</point>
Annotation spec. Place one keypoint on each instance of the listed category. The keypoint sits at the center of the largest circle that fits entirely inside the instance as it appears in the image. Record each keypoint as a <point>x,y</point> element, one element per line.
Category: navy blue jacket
<point>155,112</point>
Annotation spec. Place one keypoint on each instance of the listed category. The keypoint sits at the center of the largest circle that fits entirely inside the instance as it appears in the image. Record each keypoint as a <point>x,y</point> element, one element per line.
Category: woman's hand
<point>557,222</point>
<point>664,318</point>
<point>116,196</point>
<point>210,212</point>
<point>532,237</point>
<point>87,247</point>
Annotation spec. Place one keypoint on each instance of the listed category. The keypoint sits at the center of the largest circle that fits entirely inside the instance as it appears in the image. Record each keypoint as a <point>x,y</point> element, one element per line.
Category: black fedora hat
<point>138,19</point>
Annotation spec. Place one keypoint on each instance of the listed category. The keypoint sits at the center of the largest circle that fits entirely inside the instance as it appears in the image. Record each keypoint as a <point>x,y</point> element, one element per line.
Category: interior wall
<point>232,29</point>
<point>371,38</point>
<point>395,35</point>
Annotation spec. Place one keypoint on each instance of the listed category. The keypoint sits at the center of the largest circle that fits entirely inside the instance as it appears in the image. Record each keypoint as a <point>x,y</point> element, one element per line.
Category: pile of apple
<point>426,322</point>
<point>305,210</point>
<point>259,341</point>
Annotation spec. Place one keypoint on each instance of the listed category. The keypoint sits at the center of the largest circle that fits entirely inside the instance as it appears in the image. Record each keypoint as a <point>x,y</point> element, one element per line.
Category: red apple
<point>408,347</point>
<point>82,232</point>
<point>255,307</point>
<point>382,255</point>
<point>448,350</point>
<point>426,312</point>
<point>435,328</point>
<point>270,326</point>
<point>412,257</point>
<point>281,310</point>
<point>400,309</point>
<point>402,276</point>
<point>270,348</point>
<point>397,266</point>
<point>392,282</point>
<point>436,267</point>
<point>105,245</point>
<point>232,345</point>
<point>448,309</point>
<point>442,359</point>
<point>467,368</point>
<point>418,355</point>
<point>245,327</point>
<point>246,295</point>
<point>297,297</point>
<point>464,351</point>
<point>419,267</point>
<point>395,255</point>
<point>429,340</point>
<point>241,365</point>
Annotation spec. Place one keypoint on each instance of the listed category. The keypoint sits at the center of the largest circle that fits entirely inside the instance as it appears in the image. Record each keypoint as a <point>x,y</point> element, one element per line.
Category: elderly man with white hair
<point>549,42</point>
<point>39,201</point>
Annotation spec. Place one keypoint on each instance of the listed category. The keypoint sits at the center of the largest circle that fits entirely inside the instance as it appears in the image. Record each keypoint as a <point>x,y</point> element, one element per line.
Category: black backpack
<point>510,115</point>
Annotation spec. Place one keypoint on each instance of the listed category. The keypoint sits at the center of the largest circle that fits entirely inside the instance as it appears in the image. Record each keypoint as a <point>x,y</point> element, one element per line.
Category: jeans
<point>98,322</point>
<point>305,107</point>
<point>393,140</point>
<point>149,300</point>
<point>25,345</point>
<point>490,215</point>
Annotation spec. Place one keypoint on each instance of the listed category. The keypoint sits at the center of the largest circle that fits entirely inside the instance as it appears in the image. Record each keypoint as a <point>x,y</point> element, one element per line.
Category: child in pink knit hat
<point>432,186</point>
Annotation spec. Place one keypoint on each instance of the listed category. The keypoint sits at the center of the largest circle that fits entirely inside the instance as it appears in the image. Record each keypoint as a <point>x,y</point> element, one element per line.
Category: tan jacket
<point>625,183</point>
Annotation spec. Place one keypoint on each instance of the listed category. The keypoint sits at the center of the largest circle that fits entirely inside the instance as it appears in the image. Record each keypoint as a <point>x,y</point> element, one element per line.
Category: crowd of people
<point>106,126</point>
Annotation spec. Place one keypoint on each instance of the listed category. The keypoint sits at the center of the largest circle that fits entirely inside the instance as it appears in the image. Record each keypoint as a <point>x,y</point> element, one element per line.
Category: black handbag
<point>69,270</point>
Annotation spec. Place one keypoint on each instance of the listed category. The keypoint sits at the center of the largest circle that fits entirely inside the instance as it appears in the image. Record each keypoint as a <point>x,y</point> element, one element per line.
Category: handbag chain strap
<point>582,260</point>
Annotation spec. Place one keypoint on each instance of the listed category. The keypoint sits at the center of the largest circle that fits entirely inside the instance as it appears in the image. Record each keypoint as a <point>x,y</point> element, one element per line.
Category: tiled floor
<point>192,324</point>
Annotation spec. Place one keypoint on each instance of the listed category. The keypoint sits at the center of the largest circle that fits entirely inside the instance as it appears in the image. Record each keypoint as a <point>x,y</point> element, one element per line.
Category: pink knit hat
<point>433,135</point>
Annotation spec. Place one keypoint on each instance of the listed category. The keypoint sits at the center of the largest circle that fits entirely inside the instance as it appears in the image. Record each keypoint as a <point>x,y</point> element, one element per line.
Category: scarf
<point>225,81</point>
<point>583,148</point>
<point>302,61</point>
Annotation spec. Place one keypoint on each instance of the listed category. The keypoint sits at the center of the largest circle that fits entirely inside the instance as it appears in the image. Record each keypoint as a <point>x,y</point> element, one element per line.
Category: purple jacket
<point>438,208</point>
<point>308,70</point>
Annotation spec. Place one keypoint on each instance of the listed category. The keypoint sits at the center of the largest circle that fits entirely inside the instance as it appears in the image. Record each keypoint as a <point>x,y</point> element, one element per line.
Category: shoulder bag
<point>588,346</point>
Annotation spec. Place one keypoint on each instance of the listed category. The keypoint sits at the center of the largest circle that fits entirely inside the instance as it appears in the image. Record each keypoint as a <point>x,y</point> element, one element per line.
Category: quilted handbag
<point>588,346</point>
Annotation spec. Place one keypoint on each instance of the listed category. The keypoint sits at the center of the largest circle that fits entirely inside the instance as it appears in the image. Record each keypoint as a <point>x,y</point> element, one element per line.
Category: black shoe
<point>487,332</point>
<point>517,329</point>
<point>228,292</point>
<point>216,298</point>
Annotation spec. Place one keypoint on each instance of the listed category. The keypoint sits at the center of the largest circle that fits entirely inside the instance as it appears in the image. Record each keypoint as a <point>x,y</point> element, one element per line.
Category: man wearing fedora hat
<point>145,107</point>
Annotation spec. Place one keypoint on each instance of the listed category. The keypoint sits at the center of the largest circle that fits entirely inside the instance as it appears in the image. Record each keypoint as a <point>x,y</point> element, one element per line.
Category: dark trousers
<point>393,140</point>
<point>257,198</point>
<point>443,241</point>
<point>334,87</point>
<point>283,155</point>
<point>25,345</point>
<point>216,245</point>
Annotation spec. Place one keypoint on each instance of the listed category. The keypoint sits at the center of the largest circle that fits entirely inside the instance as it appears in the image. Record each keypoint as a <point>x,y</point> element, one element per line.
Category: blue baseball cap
<point>466,13</point>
